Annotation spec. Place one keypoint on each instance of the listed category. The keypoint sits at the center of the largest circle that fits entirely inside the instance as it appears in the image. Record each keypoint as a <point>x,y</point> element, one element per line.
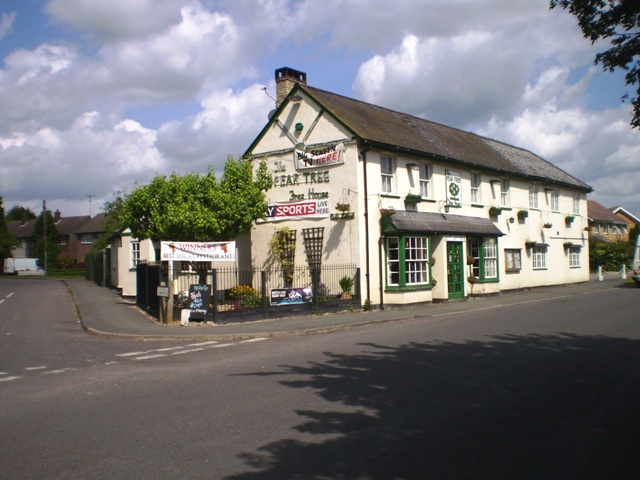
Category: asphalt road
<point>537,390</point>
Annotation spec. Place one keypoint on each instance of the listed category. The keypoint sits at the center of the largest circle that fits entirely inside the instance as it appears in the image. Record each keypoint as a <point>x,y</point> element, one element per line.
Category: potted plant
<point>387,212</point>
<point>471,279</point>
<point>494,211</point>
<point>569,219</point>
<point>547,225</point>
<point>413,198</point>
<point>343,207</point>
<point>346,284</point>
<point>522,214</point>
<point>529,244</point>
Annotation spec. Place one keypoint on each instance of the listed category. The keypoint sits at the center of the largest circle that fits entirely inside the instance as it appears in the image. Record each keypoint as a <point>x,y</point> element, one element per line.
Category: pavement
<point>105,313</point>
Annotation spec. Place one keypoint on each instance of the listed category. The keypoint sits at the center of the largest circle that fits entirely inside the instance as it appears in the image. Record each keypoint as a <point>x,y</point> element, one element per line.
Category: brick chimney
<point>286,78</point>
<point>57,215</point>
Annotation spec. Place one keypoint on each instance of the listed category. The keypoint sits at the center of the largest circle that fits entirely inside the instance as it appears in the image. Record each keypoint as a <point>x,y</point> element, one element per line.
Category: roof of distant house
<point>599,213</point>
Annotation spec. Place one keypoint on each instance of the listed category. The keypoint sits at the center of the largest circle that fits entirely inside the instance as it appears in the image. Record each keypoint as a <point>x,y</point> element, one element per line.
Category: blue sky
<point>98,96</point>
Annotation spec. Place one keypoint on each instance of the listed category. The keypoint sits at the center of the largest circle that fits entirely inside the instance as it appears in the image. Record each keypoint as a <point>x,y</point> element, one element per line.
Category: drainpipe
<point>366,225</point>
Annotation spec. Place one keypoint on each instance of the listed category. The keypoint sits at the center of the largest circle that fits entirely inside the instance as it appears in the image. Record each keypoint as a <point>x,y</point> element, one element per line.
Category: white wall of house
<point>123,261</point>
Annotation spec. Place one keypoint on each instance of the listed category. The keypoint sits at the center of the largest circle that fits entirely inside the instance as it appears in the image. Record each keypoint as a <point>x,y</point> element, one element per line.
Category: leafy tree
<point>618,21</point>
<point>111,224</point>
<point>18,213</point>
<point>52,239</point>
<point>609,256</point>
<point>197,208</point>
<point>7,241</point>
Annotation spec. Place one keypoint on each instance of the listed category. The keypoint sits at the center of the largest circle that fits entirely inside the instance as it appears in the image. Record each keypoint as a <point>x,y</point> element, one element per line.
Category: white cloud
<point>116,19</point>
<point>6,23</point>
<point>227,122</point>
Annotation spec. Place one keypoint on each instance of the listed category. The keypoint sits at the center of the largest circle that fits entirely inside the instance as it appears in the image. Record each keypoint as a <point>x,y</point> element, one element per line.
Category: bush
<point>242,291</point>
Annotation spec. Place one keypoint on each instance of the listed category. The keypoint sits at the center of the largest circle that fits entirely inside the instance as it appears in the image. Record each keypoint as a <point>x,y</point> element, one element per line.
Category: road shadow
<point>514,407</point>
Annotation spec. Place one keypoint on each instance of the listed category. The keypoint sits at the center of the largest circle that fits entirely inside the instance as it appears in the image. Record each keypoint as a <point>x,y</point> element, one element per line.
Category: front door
<point>455,270</point>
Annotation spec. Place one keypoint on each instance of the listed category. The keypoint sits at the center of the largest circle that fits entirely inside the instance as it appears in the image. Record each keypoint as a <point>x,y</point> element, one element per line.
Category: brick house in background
<point>605,225</point>
<point>626,216</point>
<point>76,235</point>
<point>86,235</point>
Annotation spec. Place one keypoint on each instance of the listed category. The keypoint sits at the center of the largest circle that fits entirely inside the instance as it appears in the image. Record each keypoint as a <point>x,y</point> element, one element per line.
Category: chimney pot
<point>286,79</point>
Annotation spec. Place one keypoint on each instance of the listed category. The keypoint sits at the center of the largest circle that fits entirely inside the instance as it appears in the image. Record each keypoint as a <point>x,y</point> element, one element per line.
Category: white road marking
<point>10,295</point>
<point>7,379</point>
<point>188,351</point>
<point>42,367</point>
<point>130,354</point>
<point>251,340</point>
<point>147,357</point>
<point>166,349</point>
<point>212,342</point>
<point>223,345</point>
<point>56,372</point>
<point>2,300</point>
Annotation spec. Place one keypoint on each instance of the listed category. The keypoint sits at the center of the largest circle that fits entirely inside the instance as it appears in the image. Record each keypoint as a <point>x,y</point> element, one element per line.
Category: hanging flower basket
<point>495,211</point>
<point>343,207</point>
<point>413,198</point>
<point>471,279</point>
<point>567,245</point>
<point>470,260</point>
<point>387,212</point>
<point>547,225</point>
<point>529,244</point>
<point>522,214</point>
<point>433,261</point>
<point>434,282</point>
<point>569,219</point>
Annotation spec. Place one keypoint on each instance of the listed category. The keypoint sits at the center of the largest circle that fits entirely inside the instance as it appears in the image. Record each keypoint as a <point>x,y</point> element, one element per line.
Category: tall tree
<point>52,241</point>
<point>196,207</point>
<point>18,213</point>
<point>619,22</point>
<point>7,241</point>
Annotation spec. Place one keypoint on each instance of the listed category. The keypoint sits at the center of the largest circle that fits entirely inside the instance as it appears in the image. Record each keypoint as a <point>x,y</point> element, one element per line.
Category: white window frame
<point>504,193</point>
<point>539,256</point>
<point>490,258</point>
<point>576,203</point>
<point>476,181</point>
<point>425,180</point>
<point>555,201</point>
<point>533,197</point>
<point>135,253</point>
<point>387,172</point>
<point>574,257</point>
<point>86,238</point>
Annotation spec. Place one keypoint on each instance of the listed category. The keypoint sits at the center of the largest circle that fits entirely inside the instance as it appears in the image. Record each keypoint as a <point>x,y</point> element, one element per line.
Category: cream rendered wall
<point>123,277</point>
<point>337,183</point>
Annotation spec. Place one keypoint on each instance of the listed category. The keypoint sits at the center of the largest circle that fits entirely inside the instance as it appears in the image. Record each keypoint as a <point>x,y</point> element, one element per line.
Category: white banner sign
<point>298,210</point>
<point>319,158</point>
<point>454,188</point>
<point>198,251</point>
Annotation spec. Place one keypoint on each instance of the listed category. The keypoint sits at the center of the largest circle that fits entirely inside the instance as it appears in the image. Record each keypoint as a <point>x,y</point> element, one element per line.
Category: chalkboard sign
<point>198,301</point>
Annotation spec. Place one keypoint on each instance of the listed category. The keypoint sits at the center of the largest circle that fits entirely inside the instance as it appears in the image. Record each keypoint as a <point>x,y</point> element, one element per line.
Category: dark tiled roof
<point>94,225</point>
<point>70,225</point>
<point>599,213</point>
<point>441,224</point>
<point>410,134</point>
<point>19,229</point>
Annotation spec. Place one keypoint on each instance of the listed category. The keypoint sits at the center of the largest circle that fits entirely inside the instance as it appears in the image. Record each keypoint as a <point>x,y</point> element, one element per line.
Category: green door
<point>455,270</point>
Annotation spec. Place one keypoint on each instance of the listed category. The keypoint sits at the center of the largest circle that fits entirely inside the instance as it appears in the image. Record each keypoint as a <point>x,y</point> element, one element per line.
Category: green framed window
<point>483,253</point>
<point>408,264</point>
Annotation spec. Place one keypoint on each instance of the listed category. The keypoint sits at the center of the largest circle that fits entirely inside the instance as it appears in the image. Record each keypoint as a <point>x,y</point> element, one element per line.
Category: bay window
<point>408,262</point>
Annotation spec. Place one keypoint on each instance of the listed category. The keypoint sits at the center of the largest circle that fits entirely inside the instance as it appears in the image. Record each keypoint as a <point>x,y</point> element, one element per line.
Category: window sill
<point>389,195</point>
<point>416,288</point>
<point>477,205</point>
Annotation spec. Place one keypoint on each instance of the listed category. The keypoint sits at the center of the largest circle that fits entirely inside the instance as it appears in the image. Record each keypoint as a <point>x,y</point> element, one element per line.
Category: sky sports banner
<point>298,210</point>
<point>198,251</point>
<point>324,157</point>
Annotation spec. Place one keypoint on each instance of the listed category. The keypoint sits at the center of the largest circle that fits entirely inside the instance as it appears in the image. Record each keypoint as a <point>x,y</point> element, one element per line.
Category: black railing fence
<point>237,292</point>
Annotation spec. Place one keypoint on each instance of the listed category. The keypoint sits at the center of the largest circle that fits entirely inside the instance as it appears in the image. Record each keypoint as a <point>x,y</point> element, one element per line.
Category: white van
<point>23,266</point>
